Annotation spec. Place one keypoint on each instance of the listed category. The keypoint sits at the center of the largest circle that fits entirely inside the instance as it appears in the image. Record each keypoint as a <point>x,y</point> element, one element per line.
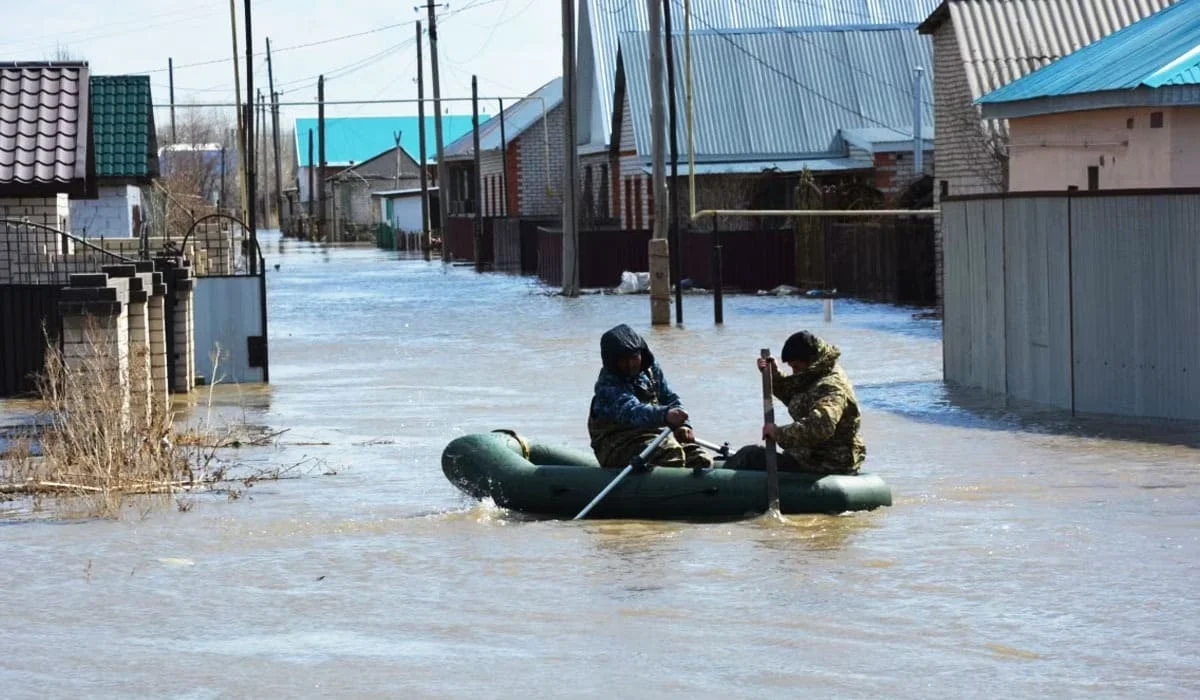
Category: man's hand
<point>764,362</point>
<point>768,431</point>
<point>676,417</point>
<point>684,434</point>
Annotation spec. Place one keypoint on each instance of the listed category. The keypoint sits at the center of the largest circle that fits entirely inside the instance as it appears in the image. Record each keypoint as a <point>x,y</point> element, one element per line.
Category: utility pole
<point>320,156</point>
<point>241,117</point>
<point>477,180</point>
<point>570,190</point>
<point>251,182</point>
<point>918,141</point>
<point>437,125</point>
<point>171,84</point>
<point>659,253</point>
<point>275,138</point>
<point>260,151</point>
<point>503,162</point>
<point>426,243</point>
<point>312,167</point>
<point>396,238</point>
<point>676,250</point>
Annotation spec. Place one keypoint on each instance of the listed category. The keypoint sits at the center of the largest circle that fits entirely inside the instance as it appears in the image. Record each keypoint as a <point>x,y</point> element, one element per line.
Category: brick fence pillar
<point>96,338</point>
<point>157,334</point>
<point>183,323</point>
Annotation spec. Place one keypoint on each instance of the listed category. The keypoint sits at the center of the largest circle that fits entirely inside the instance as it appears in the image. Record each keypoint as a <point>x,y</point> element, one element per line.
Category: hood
<point>620,341</point>
<point>827,357</point>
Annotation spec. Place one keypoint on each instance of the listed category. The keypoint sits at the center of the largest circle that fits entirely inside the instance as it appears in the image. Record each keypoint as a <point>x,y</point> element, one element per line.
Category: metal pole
<point>477,179</point>
<point>251,178</point>
<point>321,157</point>
<point>241,116</point>
<point>275,138</point>
<point>918,141</point>
<point>673,191</point>
<point>504,162</point>
<point>660,279</point>
<point>312,166</point>
<point>570,185</point>
<point>426,243</point>
<point>718,296</point>
<point>171,83</point>
<point>437,127</point>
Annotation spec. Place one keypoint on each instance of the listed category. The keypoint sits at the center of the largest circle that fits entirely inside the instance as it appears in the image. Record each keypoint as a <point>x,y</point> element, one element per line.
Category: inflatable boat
<point>539,479</point>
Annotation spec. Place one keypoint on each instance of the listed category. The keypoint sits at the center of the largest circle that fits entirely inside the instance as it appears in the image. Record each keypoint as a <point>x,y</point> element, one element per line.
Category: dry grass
<point>101,452</point>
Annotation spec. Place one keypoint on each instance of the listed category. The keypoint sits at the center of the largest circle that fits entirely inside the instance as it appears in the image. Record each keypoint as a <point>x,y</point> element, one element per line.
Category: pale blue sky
<point>514,46</point>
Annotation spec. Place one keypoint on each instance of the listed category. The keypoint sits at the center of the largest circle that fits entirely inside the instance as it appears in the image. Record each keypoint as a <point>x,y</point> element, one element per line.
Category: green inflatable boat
<point>552,481</point>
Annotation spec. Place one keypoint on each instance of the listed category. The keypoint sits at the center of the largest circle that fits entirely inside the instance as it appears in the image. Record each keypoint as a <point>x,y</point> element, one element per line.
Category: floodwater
<point>1028,553</point>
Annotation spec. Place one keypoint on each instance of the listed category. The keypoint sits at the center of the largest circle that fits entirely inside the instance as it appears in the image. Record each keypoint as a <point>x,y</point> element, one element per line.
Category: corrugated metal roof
<point>1161,50</point>
<point>43,125</point>
<point>517,119</point>
<point>123,126</point>
<point>784,94</point>
<point>603,21</point>
<point>816,165</point>
<point>357,139</point>
<point>1002,40</point>
<point>889,140</point>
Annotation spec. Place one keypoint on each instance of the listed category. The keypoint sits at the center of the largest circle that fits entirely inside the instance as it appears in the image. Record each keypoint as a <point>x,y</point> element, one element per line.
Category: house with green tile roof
<point>126,154</point>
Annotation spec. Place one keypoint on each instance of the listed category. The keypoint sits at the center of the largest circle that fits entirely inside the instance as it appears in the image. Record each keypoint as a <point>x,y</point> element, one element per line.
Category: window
<point>1156,120</point>
<point>1129,123</point>
<point>1093,172</point>
<point>945,188</point>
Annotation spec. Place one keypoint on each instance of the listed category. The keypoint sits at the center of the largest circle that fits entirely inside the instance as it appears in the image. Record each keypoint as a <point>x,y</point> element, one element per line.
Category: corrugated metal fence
<point>1084,301</point>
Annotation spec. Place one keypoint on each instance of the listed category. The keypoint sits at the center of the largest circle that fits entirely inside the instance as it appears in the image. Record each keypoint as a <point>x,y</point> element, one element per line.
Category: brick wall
<point>54,212</point>
<point>110,215</point>
<point>539,189</point>
<point>894,171</point>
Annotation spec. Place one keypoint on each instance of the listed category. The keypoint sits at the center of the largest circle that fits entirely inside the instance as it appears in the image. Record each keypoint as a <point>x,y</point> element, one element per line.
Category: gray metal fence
<point>1084,301</point>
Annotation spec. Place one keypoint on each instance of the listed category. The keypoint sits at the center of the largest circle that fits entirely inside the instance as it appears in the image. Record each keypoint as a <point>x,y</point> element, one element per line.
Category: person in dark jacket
<point>823,436</point>
<point>633,403</point>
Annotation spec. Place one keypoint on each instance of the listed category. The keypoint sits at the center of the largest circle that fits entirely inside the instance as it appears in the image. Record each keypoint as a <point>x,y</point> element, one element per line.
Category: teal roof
<point>1162,50</point>
<point>358,139</point>
<point>123,126</point>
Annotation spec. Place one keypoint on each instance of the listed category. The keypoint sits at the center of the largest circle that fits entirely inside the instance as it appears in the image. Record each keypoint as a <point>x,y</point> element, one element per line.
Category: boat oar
<point>635,462</point>
<point>769,418</point>
<point>722,450</point>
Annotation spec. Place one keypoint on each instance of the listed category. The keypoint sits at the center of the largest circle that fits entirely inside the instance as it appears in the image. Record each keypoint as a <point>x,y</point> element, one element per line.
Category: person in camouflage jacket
<point>633,403</point>
<point>824,437</point>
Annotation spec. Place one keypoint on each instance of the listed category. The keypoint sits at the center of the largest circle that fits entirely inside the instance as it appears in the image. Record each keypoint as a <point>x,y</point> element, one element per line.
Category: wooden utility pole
<point>477,180</point>
<point>675,248</point>
<point>252,221</point>
<point>320,156</point>
<point>503,162</point>
<point>275,138</point>
<point>660,276</point>
<point>426,243</point>
<point>570,183</point>
<point>437,125</point>
<point>171,84</point>
<point>312,167</point>
<point>241,117</point>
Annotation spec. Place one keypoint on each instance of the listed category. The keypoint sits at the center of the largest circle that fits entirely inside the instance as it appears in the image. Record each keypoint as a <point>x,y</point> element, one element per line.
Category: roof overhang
<point>403,193</point>
<point>754,167</point>
<point>1169,96</point>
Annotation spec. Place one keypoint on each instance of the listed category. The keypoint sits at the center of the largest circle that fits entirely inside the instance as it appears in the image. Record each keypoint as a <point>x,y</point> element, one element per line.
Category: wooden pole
<point>275,138</point>
<point>503,162</point>
<point>241,117</point>
<point>769,418</point>
<point>426,241</point>
<point>477,180</point>
<point>171,83</point>
<point>659,249</point>
<point>673,190</point>
<point>252,175</point>
<point>570,182</point>
<point>321,233</point>
<point>442,177</point>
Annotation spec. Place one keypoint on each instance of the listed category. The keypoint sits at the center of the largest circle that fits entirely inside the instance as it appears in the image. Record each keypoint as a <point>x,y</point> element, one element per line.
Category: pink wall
<point>1052,152</point>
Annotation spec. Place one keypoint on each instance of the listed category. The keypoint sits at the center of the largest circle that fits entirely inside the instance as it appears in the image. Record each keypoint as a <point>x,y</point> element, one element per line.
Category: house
<point>351,188</point>
<point>126,152</point>
<point>1120,113</point>
<point>521,159</point>
<point>768,105</point>
<point>46,149</point>
<point>352,140</point>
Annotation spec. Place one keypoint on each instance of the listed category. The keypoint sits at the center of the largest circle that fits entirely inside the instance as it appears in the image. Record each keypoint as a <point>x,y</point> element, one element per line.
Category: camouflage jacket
<point>825,432</point>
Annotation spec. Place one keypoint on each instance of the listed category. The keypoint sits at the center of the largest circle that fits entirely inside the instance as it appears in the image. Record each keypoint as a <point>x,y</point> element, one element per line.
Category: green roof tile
<point>123,126</point>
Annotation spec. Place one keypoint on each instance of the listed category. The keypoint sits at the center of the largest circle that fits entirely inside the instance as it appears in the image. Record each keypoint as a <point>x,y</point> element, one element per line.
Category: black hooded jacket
<point>622,402</point>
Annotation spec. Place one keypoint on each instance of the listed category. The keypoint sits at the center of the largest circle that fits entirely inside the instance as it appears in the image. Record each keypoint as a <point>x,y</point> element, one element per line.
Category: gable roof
<point>1143,62</point>
<point>387,159</point>
<point>516,119</point>
<point>44,130</point>
<point>601,22</point>
<point>123,127</point>
<point>1002,40</point>
<point>352,140</point>
<point>785,93</point>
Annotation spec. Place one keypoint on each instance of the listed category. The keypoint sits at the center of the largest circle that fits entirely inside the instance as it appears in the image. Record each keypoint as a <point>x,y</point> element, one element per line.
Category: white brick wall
<point>109,216</point>
<point>539,188</point>
<point>54,212</point>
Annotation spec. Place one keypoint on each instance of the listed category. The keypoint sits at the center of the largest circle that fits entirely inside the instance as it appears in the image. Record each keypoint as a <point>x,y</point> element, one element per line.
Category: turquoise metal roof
<point>1159,51</point>
<point>358,139</point>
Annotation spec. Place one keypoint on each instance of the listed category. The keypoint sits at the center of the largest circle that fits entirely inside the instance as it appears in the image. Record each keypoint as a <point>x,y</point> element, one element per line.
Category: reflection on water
<point>1029,552</point>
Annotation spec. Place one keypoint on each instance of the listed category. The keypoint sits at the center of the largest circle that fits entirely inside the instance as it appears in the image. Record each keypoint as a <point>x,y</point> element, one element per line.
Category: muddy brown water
<point>1029,553</point>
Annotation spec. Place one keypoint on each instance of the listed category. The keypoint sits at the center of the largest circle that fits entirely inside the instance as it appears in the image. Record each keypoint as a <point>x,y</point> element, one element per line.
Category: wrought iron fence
<point>38,254</point>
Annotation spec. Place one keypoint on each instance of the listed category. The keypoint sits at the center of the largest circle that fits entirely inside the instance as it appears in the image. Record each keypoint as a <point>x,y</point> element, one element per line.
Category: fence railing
<point>33,253</point>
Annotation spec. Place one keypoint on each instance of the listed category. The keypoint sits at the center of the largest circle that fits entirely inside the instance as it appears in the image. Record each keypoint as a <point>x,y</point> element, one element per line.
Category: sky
<point>514,46</point>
